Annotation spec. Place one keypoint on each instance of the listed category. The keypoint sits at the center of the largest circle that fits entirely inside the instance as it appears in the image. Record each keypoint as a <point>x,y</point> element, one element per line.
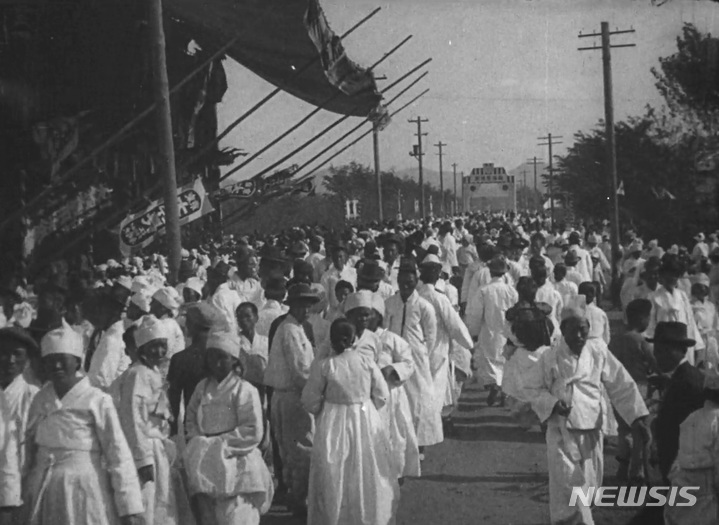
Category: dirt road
<point>491,472</point>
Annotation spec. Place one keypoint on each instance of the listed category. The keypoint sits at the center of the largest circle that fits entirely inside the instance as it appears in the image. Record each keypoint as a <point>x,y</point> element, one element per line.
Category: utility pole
<point>454,207</point>
<point>606,47</point>
<point>440,145</point>
<point>534,161</point>
<point>378,176</point>
<point>161,92</point>
<point>464,207</point>
<point>550,143</point>
<point>526,194</point>
<point>417,153</point>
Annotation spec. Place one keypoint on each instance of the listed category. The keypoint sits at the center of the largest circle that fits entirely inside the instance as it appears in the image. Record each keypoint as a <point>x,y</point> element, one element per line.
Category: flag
<point>665,193</point>
<point>620,189</point>
<point>138,230</point>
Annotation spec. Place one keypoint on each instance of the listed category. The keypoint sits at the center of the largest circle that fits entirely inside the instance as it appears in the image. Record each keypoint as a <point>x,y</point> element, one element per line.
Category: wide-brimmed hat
<point>298,248</point>
<point>19,335</point>
<point>672,333</point>
<point>571,259</point>
<point>272,254</point>
<point>371,270</point>
<point>301,292</point>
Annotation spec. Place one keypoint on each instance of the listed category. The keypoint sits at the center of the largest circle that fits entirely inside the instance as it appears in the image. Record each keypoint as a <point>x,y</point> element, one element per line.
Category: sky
<point>503,73</point>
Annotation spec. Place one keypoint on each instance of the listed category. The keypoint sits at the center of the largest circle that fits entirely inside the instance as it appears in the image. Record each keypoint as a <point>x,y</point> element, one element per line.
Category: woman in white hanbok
<point>396,363</point>
<point>145,417</point>
<point>81,470</point>
<point>351,478</point>
<point>226,474</point>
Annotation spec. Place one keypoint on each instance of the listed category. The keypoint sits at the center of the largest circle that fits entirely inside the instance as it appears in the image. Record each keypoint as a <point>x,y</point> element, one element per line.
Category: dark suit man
<point>683,394</point>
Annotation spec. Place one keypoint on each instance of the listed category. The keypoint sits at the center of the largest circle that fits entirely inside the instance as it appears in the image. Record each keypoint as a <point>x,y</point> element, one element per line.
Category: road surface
<point>491,472</point>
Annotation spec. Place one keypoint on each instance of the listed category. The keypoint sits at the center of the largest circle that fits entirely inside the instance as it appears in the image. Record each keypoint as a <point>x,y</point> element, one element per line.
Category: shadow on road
<point>502,477</point>
<point>495,433</point>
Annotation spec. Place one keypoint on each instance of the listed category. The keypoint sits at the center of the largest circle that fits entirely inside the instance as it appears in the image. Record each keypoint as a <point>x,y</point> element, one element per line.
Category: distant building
<point>489,188</point>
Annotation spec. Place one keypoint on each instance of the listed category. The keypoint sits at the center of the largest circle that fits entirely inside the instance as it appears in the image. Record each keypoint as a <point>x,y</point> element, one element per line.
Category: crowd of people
<point>312,368</point>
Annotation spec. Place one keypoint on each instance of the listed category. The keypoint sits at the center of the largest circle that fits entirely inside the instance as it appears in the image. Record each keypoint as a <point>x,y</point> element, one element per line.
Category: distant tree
<point>689,79</point>
<point>665,195</point>
<point>356,181</point>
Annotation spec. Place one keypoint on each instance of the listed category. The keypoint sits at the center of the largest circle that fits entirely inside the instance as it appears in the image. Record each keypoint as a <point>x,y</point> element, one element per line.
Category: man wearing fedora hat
<point>371,277</point>
<point>288,367</point>
<point>682,391</point>
<point>485,319</point>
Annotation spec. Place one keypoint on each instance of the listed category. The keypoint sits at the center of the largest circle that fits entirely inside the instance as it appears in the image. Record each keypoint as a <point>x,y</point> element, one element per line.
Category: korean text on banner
<point>138,230</point>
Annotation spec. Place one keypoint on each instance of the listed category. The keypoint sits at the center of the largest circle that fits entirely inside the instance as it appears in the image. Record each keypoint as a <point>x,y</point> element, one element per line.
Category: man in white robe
<point>585,265</point>
<point>275,293</point>
<point>339,271</point>
<point>10,480</point>
<point>288,369</point>
<point>450,330</point>
<point>413,318</point>
<point>106,357</point>
<point>670,304</point>
<point>15,348</point>
<point>486,322</point>
<point>565,390</point>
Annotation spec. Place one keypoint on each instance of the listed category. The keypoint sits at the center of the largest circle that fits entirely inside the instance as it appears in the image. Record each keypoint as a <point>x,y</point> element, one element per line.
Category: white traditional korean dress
<point>81,469</point>
<point>415,321</point>
<point>396,414</point>
<point>352,481</point>
<point>145,417</point>
<point>19,395</point>
<point>222,459</point>
<point>450,330</point>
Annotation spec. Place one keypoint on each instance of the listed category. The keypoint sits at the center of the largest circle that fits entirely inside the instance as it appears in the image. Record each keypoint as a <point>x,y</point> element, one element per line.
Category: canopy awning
<point>278,38</point>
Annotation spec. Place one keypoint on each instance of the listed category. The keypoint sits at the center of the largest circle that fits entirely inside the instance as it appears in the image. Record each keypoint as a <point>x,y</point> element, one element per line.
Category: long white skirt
<point>351,477</point>
<point>69,487</point>
<point>397,418</point>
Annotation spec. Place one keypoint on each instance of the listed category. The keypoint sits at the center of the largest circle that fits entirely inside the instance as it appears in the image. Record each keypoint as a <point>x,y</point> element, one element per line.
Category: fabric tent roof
<point>278,38</point>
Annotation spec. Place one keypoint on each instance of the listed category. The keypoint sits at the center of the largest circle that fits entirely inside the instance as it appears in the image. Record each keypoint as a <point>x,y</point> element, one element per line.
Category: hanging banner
<point>139,230</point>
<point>240,190</point>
